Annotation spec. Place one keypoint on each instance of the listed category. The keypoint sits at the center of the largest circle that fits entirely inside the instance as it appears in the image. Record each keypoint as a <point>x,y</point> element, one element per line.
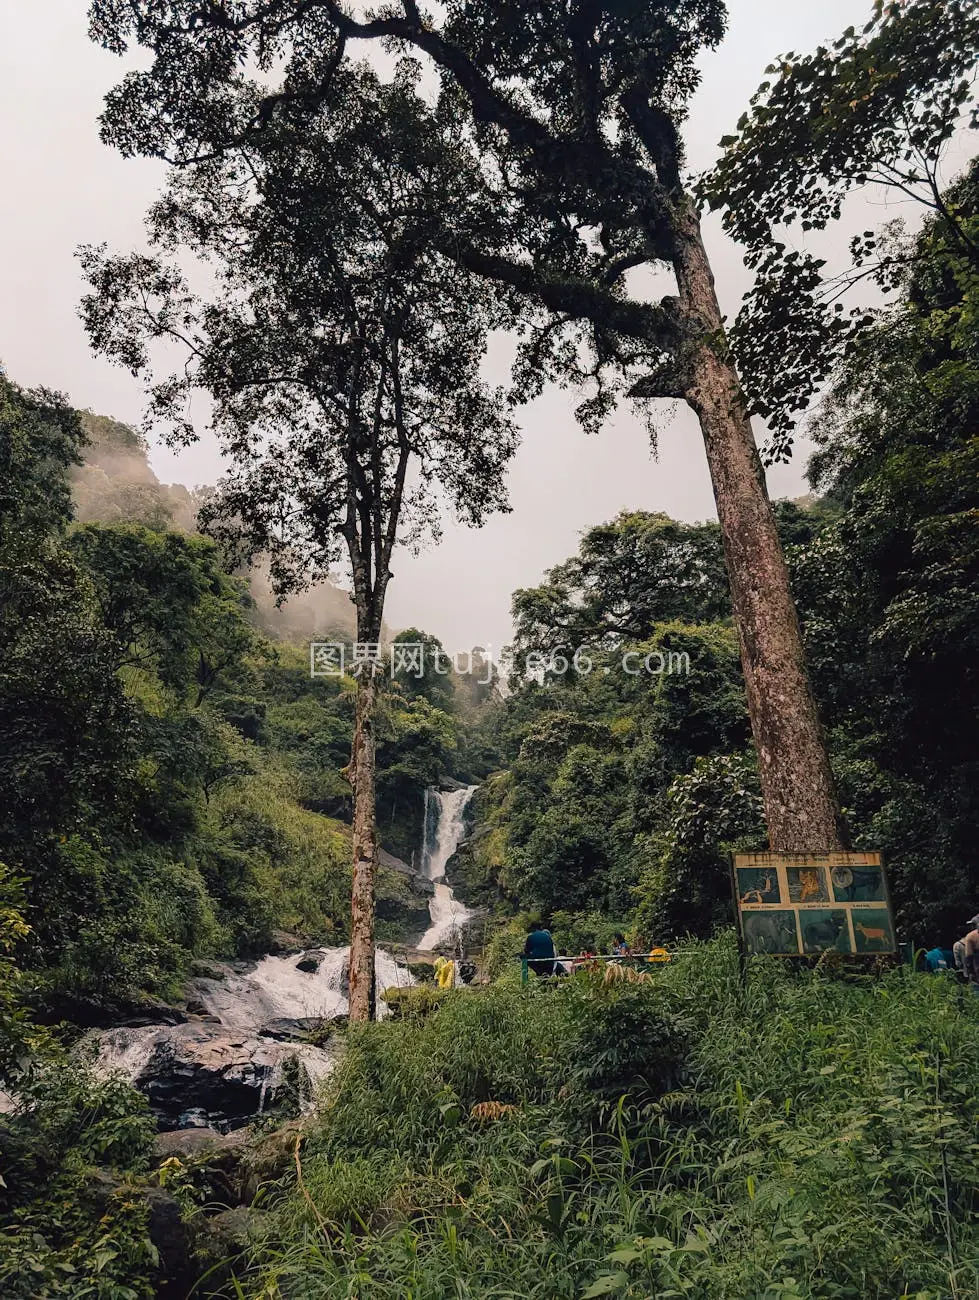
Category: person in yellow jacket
<point>445,971</point>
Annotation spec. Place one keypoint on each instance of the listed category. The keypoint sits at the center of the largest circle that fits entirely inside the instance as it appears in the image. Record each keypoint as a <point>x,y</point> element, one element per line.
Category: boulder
<point>283,943</point>
<point>392,863</point>
<point>204,1076</point>
<point>97,1013</point>
<point>295,1028</point>
<point>186,1144</point>
<point>311,960</point>
<point>220,1238</point>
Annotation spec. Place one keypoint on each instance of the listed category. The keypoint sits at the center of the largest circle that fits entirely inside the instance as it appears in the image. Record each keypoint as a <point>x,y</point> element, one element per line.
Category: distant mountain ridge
<point>116,484</point>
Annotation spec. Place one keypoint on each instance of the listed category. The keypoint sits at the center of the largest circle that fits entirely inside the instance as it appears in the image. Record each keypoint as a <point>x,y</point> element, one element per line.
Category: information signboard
<point>797,904</point>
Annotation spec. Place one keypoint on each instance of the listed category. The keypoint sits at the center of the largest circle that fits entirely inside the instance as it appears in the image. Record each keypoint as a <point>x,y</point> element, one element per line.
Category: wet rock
<point>198,1076</point>
<point>284,943</point>
<point>188,1143</point>
<point>196,1118</point>
<point>392,863</point>
<point>311,961</point>
<point>404,901</point>
<point>240,966</point>
<point>96,1013</point>
<point>295,1028</point>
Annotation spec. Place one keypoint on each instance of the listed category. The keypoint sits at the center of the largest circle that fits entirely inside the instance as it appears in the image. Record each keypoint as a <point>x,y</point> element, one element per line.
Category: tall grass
<point>799,1136</point>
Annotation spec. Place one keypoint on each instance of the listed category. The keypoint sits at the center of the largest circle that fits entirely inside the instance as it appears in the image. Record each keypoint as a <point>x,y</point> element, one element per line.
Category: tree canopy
<point>876,108</point>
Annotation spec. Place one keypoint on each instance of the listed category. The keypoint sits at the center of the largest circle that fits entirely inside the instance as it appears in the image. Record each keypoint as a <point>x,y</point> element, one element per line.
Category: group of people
<point>541,954</point>
<point>963,957</point>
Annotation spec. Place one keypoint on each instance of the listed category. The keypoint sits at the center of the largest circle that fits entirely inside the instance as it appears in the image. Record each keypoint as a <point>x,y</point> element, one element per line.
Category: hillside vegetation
<point>797,1136</point>
<point>174,780</point>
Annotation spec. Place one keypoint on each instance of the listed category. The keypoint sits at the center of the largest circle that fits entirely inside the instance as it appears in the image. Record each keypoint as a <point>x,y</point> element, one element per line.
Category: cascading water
<point>222,1068</point>
<point>445,829</point>
<point>225,1063</point>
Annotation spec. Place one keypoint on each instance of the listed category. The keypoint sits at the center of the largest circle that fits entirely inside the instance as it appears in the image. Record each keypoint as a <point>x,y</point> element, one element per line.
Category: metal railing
<point>655,957</point>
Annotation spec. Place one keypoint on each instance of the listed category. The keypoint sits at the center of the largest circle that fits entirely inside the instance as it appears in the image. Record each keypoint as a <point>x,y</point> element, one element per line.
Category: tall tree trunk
<point>801,806</point>
<point>363,775</point>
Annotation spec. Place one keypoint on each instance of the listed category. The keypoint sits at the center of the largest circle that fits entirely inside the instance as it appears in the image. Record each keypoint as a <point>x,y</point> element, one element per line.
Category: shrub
<point>794,1136</point>
<point>72,1225</point>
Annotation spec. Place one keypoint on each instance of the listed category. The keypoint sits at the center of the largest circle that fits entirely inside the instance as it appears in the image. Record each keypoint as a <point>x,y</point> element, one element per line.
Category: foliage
<point>174,784</point>
<point>876,107</point>
<point>564,173</point>
<point>40,439</point>
<point>713,811</point>
<point>816,1139</point>
<point>888,591</point>
<point>332,342</point>
<point>73,1225</point>
<point>594,735</point>
<point>16,1032</point>
<point>628,576</point>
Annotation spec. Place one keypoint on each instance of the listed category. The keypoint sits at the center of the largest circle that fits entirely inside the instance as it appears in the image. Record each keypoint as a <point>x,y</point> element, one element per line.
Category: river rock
<point>296,1028</point>
<point>284,943</point>
<point>203,1076</point>
<point>311,960</point>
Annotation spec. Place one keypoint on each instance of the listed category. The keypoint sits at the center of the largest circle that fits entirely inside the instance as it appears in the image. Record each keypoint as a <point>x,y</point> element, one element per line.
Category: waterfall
<point>445,826</point>
<point>225,1067</point>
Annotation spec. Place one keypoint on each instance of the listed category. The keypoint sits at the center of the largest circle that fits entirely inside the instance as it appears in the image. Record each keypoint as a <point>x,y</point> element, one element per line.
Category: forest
<point>231,880</point>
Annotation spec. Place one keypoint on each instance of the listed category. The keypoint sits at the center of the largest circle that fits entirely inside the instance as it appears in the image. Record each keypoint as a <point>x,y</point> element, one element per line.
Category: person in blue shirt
<point>540,951</point>
<point>937,959</point>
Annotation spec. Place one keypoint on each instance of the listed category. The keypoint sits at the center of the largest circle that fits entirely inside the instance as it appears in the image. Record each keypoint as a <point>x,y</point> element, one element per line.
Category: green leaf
<point>605,1285</point>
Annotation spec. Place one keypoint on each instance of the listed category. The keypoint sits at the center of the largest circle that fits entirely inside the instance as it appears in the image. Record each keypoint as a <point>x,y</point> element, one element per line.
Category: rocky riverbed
<point>249,1038</point>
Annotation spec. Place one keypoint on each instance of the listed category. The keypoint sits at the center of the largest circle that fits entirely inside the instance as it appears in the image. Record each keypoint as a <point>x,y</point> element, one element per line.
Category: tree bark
<point>362,775</point>
<point>801,806</point>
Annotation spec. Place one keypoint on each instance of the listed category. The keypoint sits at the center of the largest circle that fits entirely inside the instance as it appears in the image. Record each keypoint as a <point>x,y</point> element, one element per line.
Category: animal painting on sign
<point>759,895</point>
<point>758,885</point>
<point>807,885</point>
<point>872,930</point>
<point>872,934</point>
<point>770,932</point>
<point>823,930</point>
<point>810,885</point>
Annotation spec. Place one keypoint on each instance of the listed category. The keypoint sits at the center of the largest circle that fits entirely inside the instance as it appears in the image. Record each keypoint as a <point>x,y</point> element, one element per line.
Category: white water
<point>445,829</point>
<point>247,1006</point>
<point>276,989</point>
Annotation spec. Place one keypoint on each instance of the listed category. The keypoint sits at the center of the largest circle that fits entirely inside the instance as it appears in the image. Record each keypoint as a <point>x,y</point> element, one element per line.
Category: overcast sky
<point>60,187</point>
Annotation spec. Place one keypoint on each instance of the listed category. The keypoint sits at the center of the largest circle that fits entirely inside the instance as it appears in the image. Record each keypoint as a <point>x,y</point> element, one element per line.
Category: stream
<point>255,1035</point>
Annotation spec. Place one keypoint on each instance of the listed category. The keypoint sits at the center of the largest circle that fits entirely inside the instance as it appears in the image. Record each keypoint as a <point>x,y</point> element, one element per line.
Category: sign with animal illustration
<point>798,904</point>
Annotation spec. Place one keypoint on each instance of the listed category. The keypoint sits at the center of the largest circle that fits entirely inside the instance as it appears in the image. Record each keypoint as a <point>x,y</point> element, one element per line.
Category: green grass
<point>803,1136</point>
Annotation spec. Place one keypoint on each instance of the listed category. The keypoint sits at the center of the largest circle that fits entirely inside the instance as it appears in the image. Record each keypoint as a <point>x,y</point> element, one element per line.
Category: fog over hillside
<point>117,485</point>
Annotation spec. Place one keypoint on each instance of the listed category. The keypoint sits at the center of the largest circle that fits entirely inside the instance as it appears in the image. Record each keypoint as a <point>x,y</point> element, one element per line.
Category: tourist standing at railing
<point>540,952</point>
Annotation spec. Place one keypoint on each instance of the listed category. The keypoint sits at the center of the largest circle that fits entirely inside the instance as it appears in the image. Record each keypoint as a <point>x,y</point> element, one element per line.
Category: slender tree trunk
<point>801,806</point>
<point>363,774</point>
